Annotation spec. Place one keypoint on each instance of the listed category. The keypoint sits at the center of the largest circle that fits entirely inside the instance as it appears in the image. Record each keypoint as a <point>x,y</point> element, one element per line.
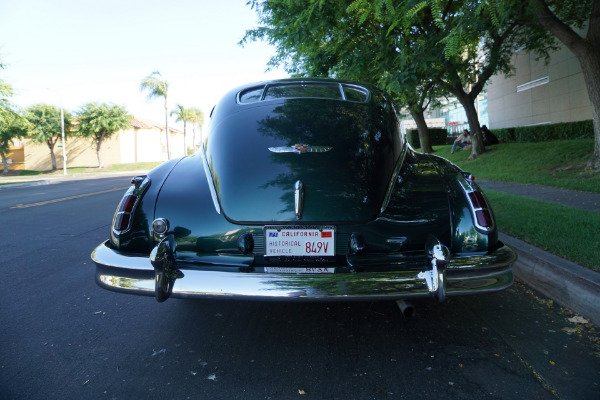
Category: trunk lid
<point>345,170</point>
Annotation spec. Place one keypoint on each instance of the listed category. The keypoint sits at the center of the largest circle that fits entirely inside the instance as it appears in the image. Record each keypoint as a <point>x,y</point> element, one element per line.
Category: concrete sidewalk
<point>569,198</point>
<point>35,180</point>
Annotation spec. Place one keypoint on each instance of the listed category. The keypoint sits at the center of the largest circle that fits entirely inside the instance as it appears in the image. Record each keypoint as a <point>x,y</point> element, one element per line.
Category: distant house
<point>144,141</point>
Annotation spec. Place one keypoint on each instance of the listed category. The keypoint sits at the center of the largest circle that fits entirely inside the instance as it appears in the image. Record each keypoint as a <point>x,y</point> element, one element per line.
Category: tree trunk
<point>590,65</point>
<point>184,148</point>
<point>477,147</point>
<point>4,162</point>
<point>194,138</point>
<point>587,51</point>
<point>167,129</point>
<point>52,156</point>
<point>98,152</point>
<point>423,132</point>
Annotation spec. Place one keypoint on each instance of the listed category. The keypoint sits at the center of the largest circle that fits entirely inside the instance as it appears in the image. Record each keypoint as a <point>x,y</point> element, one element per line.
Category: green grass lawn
<point>564,231</point>
<point>557,163</point>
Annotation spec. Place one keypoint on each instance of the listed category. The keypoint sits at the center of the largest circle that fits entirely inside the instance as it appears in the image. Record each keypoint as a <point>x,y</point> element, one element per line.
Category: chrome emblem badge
<point>300,149</point>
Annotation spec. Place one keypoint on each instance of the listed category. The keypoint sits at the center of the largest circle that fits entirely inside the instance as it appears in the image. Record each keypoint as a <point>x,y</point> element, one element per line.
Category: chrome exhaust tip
<point>408,310</point>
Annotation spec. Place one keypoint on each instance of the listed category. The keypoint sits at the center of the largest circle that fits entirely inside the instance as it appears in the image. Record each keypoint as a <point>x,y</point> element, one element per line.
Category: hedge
<point>546,133</point>
<point>437,137</point>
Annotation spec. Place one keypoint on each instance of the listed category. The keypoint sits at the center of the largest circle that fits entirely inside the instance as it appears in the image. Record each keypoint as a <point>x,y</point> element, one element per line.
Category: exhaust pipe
<point>408,310</point>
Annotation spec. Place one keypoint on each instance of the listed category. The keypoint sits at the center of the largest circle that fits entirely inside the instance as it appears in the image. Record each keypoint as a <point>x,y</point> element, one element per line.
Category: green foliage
<point>196,116</point>
<point>416,50</point>
<point>155,85</point>
<point>12,126</point>
<point>545,133</point>
<point>46,123</point>
<point>183,115</point>
<point>100,121</point>
<point>6,108</point>
<point>437,137</point>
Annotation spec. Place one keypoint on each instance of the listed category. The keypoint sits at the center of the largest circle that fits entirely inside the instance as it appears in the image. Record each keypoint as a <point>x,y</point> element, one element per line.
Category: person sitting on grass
<point>463,141</point>
<point>488,137</point>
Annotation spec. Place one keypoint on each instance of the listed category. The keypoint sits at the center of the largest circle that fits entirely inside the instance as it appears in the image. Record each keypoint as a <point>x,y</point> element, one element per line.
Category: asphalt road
<point>62,337</point>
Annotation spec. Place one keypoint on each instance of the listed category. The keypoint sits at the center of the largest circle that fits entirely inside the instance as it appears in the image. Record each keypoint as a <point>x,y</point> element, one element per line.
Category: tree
<point>100,122</point>
<point>12,125</point>
<point>183,115</point>
<point>45,126</point>
<point>157,87</point>
<point>560,19</point>
<point>323,38</point>
<point>479,38</point>
<point>196,118</point>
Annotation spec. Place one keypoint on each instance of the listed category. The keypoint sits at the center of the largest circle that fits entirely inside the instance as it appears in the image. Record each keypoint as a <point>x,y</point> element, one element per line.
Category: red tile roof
<point>140,123</point>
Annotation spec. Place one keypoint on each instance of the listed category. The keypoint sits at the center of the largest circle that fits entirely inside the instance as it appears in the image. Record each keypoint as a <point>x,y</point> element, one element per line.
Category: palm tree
<point>196,118</point>
<point>183,115</point>
<point>157,87</point>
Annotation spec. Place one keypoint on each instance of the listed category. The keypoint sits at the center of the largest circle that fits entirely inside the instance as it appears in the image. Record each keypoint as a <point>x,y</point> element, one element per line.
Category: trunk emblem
<point>299,149</point>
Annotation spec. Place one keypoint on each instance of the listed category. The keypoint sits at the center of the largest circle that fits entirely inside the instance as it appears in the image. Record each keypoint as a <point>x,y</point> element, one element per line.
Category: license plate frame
<point>308,242</point>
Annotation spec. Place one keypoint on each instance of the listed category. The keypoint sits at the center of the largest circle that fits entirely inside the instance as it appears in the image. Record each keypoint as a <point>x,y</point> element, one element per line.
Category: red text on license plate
<point>299,242</point>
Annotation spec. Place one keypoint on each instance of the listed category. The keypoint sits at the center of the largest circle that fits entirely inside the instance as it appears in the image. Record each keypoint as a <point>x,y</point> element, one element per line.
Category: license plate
<point>307,270</point>
<point>299,242</point>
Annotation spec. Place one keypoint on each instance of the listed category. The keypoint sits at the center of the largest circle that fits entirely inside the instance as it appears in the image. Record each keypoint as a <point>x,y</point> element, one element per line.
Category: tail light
<point>123,216</point>
<point>482,210</point>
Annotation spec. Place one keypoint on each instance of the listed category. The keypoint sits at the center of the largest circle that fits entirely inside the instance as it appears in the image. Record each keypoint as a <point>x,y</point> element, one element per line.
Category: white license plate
<point>299,242</point>
<point>306,270</point>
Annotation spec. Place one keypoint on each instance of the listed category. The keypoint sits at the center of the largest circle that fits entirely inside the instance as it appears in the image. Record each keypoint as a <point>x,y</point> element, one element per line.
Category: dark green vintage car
<point>304,189</point>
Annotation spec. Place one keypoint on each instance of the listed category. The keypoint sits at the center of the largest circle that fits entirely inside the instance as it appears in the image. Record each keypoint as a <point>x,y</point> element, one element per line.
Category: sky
<point>72,52</point>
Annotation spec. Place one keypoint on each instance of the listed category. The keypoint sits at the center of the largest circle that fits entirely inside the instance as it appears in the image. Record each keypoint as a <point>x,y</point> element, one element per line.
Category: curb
<point>35,181</point>
<point>565,282</point>
<point>25,184</point>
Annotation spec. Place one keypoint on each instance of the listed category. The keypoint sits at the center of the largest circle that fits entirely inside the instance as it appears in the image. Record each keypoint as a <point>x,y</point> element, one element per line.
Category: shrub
<point>437,137</point>
<point>546,133</point>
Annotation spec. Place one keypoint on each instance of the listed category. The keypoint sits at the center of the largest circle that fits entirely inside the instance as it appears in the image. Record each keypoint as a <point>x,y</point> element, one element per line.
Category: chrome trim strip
<point>392,184</point>
<point>209,179</point>
<point>299,199</point>
<point>136,189</point>
<point>471,187</point>
<point>465,275</point>
<point>342,91</point>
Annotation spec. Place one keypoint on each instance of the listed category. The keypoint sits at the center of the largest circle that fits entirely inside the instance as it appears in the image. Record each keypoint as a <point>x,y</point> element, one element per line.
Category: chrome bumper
<point>463,275</point>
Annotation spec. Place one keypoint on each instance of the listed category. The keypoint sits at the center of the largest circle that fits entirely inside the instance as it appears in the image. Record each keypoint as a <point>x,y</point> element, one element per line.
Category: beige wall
<point>80,153</point>
<point>133,145</point>
<point>563,99</point>
<point>141,145</point>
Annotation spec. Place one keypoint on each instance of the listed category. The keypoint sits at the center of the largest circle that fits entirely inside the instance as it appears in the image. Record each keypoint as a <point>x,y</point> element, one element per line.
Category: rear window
<point>290,91</point>
<point>335,91</point>
<point>251,95</point>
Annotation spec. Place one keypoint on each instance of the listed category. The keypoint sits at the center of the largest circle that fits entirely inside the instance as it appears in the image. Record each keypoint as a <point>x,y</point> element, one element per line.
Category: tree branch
<point>562,31</point>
